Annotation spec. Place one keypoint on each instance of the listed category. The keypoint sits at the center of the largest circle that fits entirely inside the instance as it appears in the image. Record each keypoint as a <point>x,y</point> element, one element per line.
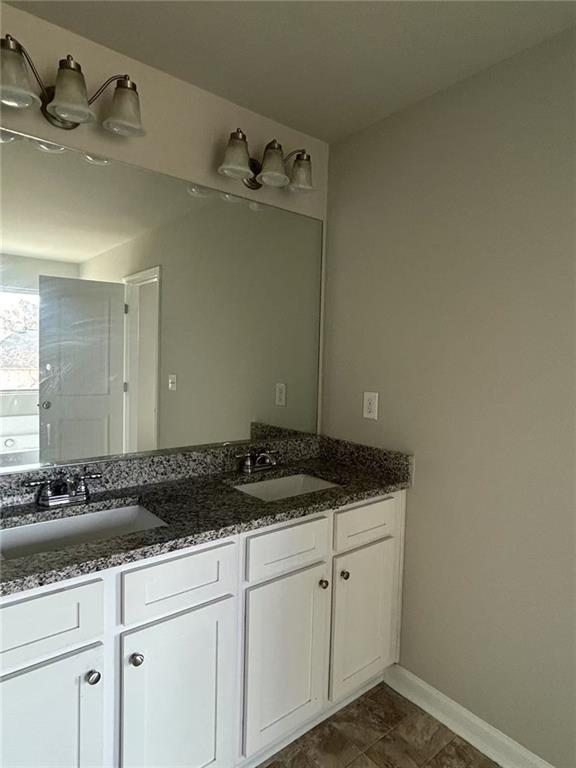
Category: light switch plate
<point>370,409</point>
<point>281,393</point>
<point>172,382</point>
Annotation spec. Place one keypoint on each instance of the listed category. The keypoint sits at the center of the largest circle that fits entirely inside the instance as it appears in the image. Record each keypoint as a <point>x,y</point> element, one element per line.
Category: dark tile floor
<point>380,730</point>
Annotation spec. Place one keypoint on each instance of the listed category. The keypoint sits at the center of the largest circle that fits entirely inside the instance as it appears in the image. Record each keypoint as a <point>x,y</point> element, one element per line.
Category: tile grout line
<point>435,755</point>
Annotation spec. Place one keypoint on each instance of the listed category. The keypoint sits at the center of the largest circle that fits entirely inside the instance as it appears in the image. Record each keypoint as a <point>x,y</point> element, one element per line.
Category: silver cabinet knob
<point>324,583</point>
<point>345,575</point>
<point>136,659</point>
<point>46,404</point>
<point>93,677</point>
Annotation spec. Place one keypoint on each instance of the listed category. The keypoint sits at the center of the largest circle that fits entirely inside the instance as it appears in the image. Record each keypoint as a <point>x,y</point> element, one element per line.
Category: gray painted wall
<point>450,291</point>
<point>239,311</point>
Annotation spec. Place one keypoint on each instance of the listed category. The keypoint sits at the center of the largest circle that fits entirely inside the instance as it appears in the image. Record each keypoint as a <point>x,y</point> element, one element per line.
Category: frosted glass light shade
<point>273,173</point>
<point>70,100</point>
<point>301,176</point>
<point>236,163</point>
<point>124,118</point>
<point>15,84</point>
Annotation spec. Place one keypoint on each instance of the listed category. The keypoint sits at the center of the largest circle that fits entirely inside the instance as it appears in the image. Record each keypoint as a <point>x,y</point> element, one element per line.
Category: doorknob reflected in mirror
<point>46,404</point>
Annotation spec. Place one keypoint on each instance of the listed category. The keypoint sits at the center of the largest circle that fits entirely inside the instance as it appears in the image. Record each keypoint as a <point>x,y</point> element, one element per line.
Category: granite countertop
<point>196,510</point>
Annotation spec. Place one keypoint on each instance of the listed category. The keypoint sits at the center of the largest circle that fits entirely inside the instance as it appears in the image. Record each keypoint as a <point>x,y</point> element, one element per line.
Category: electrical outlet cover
<point>281,394</point>
<point>370,407</point>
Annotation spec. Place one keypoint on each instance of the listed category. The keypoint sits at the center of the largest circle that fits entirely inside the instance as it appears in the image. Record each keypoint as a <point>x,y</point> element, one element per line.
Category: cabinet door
<point>178,690</point>
<point>362,627</point>
<point>286,654</point>
<point>51,716</point>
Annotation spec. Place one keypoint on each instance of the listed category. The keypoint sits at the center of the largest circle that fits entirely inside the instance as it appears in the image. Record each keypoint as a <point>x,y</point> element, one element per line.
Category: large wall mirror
<point>140,312</point>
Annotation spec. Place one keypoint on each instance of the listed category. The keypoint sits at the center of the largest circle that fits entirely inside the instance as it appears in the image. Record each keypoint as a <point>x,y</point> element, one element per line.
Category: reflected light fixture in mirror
<point>48,147</point>
<point>7,137</point>
<point>228,198</point>
<point>66,105</point>
<point>271,172</point>
<point>195,190</point>
<point>96,159</point>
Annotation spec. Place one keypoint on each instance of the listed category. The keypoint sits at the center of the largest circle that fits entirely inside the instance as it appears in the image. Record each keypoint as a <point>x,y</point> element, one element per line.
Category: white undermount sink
<point>282,487</point>
<point>77,529</point>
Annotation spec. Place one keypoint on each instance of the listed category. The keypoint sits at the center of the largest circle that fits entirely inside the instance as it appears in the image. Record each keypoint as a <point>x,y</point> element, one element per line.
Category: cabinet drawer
<point>358,526</point>
<point>270,554</point>
<point>33,628</point>
<point>175,585</point>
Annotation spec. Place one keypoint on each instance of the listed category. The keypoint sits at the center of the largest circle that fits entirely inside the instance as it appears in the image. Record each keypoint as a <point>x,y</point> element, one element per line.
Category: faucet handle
<point>248,461</point>
<point>81,489</point>
<point>249,456</point>
<point>33,483</point>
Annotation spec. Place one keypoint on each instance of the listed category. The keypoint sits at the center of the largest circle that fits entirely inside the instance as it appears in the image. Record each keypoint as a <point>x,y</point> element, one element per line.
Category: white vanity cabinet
<point>135,668</point>
<point>177,676</point>
<point>316,635</point>
<point>286,654</point>
<point>367,565</point>
<point>52,713</point>
<point>219,654</point>
<point>363,612</point>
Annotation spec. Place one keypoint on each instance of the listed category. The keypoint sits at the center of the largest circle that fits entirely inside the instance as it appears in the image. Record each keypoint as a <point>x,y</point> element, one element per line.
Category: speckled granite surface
<point>171,464</point>
<point>196,510</point>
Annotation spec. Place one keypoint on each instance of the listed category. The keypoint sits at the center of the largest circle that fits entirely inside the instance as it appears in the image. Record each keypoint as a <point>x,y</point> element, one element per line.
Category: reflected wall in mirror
<point>141,312</point>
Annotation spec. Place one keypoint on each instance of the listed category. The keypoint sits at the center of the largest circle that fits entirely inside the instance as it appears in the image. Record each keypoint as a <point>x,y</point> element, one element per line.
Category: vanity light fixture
<point>272,171</point>
<point>66,105</point>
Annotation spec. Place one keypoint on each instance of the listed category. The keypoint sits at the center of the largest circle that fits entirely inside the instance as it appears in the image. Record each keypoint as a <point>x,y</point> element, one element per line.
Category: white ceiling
<point>325,68</point>
<point>59,206</point>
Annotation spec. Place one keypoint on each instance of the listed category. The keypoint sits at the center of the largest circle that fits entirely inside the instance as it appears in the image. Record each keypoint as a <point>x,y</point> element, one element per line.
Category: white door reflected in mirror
<point>81,348</point>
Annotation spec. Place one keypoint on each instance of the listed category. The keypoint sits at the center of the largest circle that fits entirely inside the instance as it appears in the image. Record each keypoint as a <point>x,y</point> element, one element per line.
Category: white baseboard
<point>489,740</point>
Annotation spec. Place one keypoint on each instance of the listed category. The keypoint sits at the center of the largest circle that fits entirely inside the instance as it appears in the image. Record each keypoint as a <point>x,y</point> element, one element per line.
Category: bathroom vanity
<point>179,612</point>
<point>217,652</point>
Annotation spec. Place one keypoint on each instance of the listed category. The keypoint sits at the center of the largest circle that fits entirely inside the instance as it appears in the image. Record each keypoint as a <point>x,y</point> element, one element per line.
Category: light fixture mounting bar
<point>113,79</point>
<point>294,152</point>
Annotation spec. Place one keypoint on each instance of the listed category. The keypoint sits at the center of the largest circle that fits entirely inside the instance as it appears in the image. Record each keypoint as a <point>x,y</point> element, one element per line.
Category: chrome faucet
<point>257,462</point>
<point>62,489</point>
